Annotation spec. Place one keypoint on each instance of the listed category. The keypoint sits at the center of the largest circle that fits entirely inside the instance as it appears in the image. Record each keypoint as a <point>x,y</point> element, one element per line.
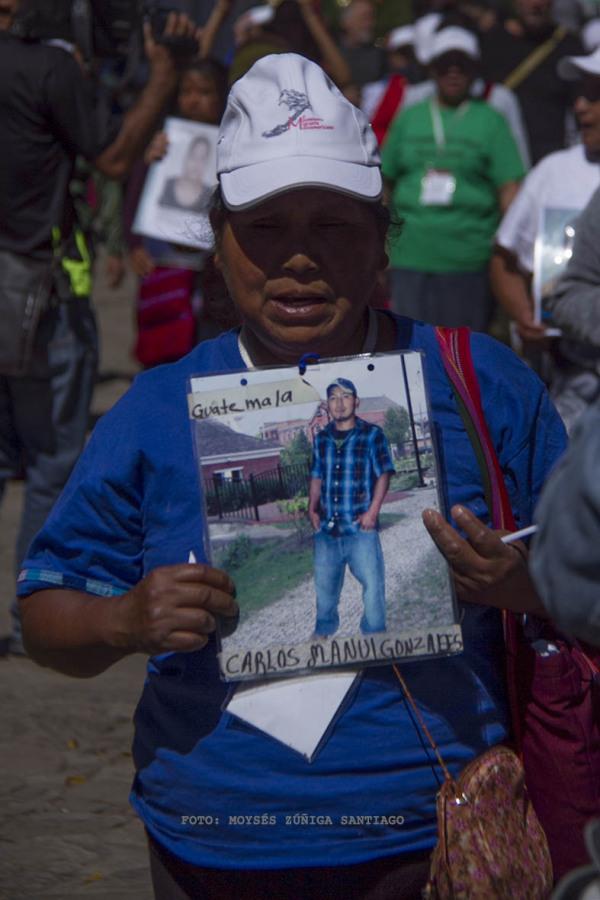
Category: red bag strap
<point>455,348</point>
<point>487,90</point>
<point>387,107</point>
<point>455,351</point>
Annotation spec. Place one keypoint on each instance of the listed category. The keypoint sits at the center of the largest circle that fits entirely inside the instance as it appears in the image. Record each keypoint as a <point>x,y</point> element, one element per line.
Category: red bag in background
<point>554,695</point>
<point>165,317</point>
<point>558,703</point>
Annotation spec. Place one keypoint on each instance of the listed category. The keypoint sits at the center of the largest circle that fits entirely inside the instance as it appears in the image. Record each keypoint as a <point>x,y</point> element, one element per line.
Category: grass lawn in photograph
<point>264,573</point>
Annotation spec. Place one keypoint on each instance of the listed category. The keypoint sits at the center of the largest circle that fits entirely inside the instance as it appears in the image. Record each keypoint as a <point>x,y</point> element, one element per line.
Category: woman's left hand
<point>157,148</point>
<point>486,571</point>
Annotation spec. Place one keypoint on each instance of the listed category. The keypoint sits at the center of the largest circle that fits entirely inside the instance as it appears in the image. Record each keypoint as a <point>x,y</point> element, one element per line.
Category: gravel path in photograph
<point>410,557</point>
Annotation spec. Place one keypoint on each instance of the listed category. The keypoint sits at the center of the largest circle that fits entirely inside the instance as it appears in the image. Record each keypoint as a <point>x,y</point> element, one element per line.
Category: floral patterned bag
<point>490,841</point>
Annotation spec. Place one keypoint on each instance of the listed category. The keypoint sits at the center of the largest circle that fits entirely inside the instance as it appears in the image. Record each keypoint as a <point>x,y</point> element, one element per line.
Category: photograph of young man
<point>350,476</point>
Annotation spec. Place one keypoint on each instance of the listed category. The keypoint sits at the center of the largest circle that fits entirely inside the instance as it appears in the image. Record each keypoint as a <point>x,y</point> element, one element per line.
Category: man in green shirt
<point>452,168</point>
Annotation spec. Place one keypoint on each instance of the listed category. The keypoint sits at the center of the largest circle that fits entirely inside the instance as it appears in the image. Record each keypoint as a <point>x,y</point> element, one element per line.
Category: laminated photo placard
<point>178,189</point>
<point>553,249</point>
<point>313,485</point>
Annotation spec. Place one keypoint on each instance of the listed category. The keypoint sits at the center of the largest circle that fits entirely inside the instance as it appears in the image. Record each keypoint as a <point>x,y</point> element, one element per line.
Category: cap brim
<point>573,67</point>
<point>251,185</point>
<point>466,53</point>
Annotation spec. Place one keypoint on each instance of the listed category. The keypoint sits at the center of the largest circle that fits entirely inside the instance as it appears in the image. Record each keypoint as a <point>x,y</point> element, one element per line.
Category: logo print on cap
<point>297,103</point>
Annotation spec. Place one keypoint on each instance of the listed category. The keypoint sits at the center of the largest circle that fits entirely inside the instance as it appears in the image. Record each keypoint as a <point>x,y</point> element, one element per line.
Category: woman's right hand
<point>157,148</point>
<point>486,571</point>
<point>530,331</point>
<point>173,609</point>
<point>141,262</point>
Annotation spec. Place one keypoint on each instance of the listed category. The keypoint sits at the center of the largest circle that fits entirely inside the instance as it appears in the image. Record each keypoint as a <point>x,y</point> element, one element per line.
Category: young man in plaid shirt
<point>350,476</point>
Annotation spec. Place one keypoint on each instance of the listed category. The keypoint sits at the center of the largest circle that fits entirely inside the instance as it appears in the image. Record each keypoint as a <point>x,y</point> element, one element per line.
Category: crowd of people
<point>364,191</point>
<point>463,101</point>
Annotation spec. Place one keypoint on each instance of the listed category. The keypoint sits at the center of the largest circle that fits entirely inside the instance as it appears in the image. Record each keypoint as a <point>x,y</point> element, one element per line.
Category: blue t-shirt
<point>211,789</point>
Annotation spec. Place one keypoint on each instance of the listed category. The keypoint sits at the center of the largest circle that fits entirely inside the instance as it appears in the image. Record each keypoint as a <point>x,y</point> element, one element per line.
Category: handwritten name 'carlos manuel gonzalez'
<point>292,819</point>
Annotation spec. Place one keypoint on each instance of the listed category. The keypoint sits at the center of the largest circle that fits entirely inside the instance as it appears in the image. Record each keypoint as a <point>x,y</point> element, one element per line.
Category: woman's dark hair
<point>218,213</point>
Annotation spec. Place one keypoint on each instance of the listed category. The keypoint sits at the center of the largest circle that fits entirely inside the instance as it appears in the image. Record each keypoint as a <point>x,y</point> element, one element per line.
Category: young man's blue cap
<point>343,383</point>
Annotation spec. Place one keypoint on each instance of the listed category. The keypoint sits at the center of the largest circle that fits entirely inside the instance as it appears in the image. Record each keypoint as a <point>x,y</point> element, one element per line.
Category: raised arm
<point>332,60</point>
<point>141,120</point>
<point>213,25</point>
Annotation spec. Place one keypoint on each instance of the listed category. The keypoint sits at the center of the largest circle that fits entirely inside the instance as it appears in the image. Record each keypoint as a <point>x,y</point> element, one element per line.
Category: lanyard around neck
<point>439,134</point>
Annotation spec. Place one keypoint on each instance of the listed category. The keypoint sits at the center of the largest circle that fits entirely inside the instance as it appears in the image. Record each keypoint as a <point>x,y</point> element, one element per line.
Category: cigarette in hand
<point>517,535</point>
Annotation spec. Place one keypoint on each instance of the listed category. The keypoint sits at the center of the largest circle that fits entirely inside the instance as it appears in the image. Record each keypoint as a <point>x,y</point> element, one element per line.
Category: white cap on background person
<point>248,25</point>
<point>454,39</point>
<point>424,30</point>
<point>286,126</point>
<point>590,35</point>
<point>571,68</point>
<point>404,36</point>
<point>259,15</point>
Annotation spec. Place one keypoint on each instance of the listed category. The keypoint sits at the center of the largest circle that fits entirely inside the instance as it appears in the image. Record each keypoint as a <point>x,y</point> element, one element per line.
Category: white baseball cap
<point>258,15</point>
<point>573,67</point>
<point>454,38</point>
<point>286,126</point>
<point>590,35</point>
<point>424,30</point>
<point>404,36</point>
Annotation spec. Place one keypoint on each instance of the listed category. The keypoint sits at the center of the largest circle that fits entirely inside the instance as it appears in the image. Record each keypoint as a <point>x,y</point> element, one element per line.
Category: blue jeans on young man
<point>361,552</point>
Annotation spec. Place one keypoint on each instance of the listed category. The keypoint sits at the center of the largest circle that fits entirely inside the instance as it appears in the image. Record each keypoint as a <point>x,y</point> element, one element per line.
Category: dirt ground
<point>66,828</point>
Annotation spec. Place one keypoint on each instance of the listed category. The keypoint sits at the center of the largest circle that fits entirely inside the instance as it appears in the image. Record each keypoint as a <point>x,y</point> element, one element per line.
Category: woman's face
<point>194,165</point>
<point>587,110</point>
<point>301,269</point>
<point>198,99</point>
<point>453,73</point>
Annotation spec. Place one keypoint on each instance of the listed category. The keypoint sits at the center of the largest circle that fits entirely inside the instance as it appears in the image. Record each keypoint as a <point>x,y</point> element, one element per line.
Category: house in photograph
<point>228,455</point>
<point>283,432</point>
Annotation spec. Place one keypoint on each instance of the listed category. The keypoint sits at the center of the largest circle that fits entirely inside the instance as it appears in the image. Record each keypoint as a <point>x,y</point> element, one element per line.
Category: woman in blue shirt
<point>300,236</point>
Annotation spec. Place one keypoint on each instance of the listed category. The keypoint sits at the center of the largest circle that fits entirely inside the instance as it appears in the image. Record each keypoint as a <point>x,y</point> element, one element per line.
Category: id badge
<point>437,188</point>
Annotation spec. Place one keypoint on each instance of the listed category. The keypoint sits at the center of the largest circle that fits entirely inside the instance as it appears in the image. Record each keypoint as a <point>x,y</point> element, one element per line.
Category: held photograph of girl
<point>177,192</point>
<point>313,487</point>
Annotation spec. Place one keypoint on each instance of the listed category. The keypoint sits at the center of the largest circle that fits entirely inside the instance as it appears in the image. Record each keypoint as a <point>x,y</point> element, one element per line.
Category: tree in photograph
<point>298,451</point>
<point>396,426</point>
<point>296,512</point>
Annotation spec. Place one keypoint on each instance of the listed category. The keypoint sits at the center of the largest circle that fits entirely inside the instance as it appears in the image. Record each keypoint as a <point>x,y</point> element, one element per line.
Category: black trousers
<point>391,878</point>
